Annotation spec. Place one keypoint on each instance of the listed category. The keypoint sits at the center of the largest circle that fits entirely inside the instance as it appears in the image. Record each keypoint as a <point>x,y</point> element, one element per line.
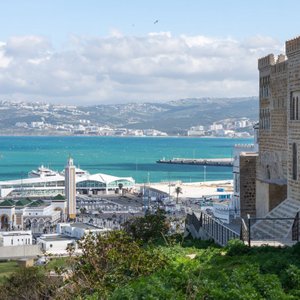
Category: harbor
<point>222,162</point>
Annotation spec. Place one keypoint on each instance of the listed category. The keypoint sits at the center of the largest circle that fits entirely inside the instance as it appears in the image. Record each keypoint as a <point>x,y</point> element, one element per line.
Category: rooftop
<point>23,202</point>
<point>15,233</point>
<point>83,226</point>
<point>7,203</point>
<point>55,237</point>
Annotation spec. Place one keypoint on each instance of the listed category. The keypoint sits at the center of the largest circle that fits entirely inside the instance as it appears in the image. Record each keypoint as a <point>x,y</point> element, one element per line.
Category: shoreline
<point>130,136</point>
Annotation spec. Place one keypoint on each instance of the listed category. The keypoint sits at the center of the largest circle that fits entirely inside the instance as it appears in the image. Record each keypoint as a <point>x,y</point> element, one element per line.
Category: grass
<point>54,263</point>
<point>7,268</point>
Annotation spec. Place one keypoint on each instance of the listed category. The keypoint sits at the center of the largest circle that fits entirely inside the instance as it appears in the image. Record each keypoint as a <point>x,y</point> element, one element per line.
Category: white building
<point>78,230</point>
<point>15,238</point>
<point>196,131</point>
<point>67,234</point>
<point>55,243</point>
<point>46,186</point>
<point>28,214</point>
<point>216,126</point>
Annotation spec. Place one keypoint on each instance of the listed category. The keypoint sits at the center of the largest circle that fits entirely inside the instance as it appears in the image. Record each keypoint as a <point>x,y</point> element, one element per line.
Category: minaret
<point>70,189</point>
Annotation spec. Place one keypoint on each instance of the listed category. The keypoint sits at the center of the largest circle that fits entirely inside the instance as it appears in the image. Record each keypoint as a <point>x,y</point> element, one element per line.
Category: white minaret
<point>70,189</point>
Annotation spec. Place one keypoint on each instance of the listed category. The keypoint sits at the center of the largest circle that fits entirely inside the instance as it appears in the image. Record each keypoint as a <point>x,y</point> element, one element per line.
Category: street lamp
<point>204,173</point>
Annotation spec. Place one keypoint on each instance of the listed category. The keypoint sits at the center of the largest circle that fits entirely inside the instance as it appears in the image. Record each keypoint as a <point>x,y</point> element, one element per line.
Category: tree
<point>120,185</point>
<point>110,260</point>
<point>83,210</point>
<point>151,227</point>
<point>178,191</point>
<point>29,284</point>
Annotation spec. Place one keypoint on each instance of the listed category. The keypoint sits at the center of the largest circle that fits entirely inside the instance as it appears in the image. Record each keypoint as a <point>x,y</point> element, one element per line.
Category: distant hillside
<point>176,116</point>
<point>172,117</point>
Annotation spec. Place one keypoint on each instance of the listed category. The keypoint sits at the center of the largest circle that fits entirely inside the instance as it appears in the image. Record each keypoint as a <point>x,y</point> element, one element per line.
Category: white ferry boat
<point>41,172</point>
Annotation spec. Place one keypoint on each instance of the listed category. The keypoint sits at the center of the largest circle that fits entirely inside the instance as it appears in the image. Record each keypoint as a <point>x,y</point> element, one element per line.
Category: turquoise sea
<point>119,156</point>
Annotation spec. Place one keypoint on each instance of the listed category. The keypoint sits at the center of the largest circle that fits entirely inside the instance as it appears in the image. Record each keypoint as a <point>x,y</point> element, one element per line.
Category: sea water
<point>118,156</point>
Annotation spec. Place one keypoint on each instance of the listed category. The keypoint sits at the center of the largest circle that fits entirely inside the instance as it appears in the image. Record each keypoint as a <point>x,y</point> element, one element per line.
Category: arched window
<point>295,162</point>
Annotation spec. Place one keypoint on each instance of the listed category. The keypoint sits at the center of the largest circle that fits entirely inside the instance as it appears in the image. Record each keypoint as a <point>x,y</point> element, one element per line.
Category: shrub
<point>236,247</point>
<point>151,227</point>
<point>111,260</point>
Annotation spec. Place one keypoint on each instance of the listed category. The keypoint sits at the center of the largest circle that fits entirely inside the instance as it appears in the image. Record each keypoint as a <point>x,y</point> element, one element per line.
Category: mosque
<point>46,198</point>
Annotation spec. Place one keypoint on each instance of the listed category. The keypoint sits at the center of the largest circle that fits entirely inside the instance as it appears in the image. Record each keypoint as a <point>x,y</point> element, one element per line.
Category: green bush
<point>236,247</point>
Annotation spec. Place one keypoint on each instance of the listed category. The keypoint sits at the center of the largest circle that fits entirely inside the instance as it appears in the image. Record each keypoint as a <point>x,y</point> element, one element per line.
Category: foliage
<point>218,273</point>
<point>111,260</point>
<point>178,191</point>
<point>28,283</point>
<point>151,227</point>
<point>236,247</point>
<point>117,266</point>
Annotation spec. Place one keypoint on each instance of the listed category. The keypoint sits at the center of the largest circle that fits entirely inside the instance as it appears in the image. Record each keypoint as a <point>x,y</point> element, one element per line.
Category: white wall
<point>16,238</point>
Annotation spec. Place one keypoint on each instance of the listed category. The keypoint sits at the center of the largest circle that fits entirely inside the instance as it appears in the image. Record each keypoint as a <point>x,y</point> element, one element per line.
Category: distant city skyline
<point>88,52</point>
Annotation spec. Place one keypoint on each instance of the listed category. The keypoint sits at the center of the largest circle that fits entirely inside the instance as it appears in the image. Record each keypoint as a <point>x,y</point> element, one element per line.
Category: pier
<point>222,162</point>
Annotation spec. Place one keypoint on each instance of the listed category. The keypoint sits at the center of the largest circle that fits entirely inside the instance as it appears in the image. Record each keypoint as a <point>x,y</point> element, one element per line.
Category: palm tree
<point>178,191</point>
<point>120,185</point>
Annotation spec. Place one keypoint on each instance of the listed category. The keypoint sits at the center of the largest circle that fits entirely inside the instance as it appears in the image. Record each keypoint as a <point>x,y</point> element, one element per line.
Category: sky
<point>101,52</point>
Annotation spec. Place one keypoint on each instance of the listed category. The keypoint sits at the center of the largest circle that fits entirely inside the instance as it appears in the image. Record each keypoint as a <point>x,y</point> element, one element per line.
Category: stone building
<point>247,188</point>
<point>272,159</point>
<point>277,175</point>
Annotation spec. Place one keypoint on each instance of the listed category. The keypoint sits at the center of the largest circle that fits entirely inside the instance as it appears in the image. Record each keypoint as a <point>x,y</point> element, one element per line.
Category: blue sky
<point>57,19</point>
<point>115,53</point>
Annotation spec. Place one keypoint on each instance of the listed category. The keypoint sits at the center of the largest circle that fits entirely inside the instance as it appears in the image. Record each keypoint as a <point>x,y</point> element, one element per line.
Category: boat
<point>42,172</point>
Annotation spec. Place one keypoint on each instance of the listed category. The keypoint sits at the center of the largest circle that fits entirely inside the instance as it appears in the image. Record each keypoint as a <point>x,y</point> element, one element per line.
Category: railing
<point>270,231</point>
<point>213,228</point>
<point>250,232</point>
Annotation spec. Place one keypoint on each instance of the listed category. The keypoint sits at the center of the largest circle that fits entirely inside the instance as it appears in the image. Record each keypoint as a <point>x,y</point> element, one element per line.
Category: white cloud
<point>122,68</point>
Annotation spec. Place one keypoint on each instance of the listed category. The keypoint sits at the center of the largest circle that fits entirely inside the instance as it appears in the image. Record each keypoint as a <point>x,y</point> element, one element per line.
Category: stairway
<point>276,229</point>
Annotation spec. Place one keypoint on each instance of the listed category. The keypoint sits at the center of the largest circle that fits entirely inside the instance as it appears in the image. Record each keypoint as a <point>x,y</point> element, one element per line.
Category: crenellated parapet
<point>281,65</point>
<point>266,61</point>
<point>292,46</point>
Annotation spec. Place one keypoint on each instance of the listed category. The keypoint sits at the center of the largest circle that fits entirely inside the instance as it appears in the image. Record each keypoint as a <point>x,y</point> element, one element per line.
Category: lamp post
<point>169,186</point>
<point>204,173</point>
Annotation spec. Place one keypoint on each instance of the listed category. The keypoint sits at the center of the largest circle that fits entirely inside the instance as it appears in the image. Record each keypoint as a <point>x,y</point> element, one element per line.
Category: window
<point>295,161</point>
<point>294,106</point>
<point>264,118</point>
<point>297,109</point>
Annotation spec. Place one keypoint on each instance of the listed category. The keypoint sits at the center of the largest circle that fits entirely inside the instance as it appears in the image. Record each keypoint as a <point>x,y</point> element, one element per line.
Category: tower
<point>70,189</point>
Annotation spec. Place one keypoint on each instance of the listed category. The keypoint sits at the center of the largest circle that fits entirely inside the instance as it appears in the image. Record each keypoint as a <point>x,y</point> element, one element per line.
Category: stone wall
<point>248,184</point>
<point>272,161</point>
<point>277,194</point>
<point>7,252</point>
<point>293,54</point>
<point>262,198</point>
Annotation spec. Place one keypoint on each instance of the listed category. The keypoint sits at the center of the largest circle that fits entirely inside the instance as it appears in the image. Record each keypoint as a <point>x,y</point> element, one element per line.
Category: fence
<point>206,226</point>
<point>271,231</point>
<point>253,231</point>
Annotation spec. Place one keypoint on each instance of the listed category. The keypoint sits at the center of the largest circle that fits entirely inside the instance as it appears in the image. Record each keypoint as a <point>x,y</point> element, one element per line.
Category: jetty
<point>222,162</point>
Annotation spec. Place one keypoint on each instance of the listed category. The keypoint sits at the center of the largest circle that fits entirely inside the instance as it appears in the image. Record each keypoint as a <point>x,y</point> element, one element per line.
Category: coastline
<point>124,136</point>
